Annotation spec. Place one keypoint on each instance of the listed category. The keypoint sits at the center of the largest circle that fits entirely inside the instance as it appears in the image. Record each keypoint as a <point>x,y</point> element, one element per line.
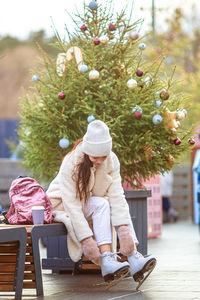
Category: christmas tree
<point>101,73</point>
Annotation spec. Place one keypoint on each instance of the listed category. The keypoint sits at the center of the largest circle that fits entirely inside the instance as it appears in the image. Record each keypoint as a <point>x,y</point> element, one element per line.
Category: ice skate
<point>112,270</point>
<point>139,265</point>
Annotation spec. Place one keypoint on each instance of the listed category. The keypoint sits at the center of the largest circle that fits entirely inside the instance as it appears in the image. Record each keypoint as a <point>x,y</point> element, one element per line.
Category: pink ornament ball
<point>177,142</point>
<point>61,95</point>
<point>138,115</point>
<point>139,72</point>
<point>96,41</point>
<point>164,95</point>
<point>83,27</point>
<point>191,141</point>
<point>112,27</point>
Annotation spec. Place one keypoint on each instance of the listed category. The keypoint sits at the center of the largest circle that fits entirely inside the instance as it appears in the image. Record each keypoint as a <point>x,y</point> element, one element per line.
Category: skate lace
<point>111,255</point>
<point>137,254</point>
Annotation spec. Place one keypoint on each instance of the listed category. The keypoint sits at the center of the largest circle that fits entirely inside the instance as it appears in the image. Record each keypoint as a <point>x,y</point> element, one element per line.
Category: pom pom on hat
<point>97,141</point>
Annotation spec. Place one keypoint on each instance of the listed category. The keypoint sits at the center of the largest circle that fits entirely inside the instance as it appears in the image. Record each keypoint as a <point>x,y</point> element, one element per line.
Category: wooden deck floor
<point>176,276</point>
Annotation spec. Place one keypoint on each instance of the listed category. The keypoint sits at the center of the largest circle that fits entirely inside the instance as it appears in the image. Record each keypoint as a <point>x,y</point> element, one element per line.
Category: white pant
<point>97,209</point>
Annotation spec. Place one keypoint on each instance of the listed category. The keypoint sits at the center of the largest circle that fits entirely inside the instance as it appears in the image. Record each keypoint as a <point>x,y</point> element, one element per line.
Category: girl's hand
<point>127,245</point>
<point>90,249</point>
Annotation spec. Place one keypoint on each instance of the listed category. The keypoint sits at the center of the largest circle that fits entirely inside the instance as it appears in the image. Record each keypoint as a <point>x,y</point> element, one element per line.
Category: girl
<point>87,189</point>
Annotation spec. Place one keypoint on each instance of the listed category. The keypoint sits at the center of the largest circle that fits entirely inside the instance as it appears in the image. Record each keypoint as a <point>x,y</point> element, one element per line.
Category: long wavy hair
<point>81,175</point>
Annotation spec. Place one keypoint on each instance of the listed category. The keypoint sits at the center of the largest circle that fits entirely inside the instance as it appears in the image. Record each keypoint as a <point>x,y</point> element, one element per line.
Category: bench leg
<point>19,272</point>
<point>37,265</point>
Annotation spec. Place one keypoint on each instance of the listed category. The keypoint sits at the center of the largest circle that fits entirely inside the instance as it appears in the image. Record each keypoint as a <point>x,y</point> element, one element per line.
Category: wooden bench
<point>20,258</point>
<point>12,258</point>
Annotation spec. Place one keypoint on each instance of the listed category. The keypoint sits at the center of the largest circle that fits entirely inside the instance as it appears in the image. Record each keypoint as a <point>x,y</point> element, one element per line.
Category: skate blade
<point>147,268</point>
<point>118,276</point>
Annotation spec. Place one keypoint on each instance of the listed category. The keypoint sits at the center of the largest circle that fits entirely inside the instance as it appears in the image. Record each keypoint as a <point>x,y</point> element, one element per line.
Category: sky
<point>19,18</point>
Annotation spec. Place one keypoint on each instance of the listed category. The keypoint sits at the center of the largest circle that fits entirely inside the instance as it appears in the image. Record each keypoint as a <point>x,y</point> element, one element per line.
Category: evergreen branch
<point>170,80</point>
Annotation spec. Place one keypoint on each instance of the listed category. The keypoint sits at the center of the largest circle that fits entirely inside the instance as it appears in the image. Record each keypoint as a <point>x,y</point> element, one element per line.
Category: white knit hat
<point>97,141</point>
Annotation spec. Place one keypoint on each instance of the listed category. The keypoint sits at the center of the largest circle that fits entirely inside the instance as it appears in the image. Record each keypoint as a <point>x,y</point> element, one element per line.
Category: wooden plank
<point>29,258</point>
<point>29,267</point>
<point>90,267</point>
<point>5,287</point>
<point>7,277</point>
<point>9,268</point>
<point>8,249</point>
<point>29,285</point>
<point>29,276</point>
<point>7,258</point>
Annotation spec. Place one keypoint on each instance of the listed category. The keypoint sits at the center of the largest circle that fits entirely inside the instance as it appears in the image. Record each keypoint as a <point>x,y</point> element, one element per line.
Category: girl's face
<point>97,161</point>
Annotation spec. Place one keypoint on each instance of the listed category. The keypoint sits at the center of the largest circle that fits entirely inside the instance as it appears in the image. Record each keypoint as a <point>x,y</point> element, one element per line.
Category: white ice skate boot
<point>139,265</point>
<point>112,270</point>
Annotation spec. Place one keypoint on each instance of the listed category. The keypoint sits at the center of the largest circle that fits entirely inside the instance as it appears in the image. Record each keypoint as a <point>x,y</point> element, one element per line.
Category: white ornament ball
<point>184,111</point>
<point>64,143</point>
<point>104,39</point>
<point>94,75</point>
<point>180,115</point>
<point>131,83</point>
<point>134,35</point>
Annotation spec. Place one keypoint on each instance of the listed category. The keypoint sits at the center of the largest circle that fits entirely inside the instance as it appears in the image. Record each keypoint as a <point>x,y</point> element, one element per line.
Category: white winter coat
<point>105,181</point>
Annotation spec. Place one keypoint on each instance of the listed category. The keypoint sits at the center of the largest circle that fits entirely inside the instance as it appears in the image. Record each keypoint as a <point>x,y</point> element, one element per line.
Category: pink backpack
<point>24,193</point>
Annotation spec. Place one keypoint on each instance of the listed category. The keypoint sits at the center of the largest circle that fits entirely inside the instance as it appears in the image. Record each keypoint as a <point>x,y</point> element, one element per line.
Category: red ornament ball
<point>83,27</point>
<point>61,95</point>
<point>164,95</point>
<point>138,115</point>
<point>191,141</point>
<point>139,72</point>
<point>112,27</point>
<point>177,142</point>
<point>96,41</point>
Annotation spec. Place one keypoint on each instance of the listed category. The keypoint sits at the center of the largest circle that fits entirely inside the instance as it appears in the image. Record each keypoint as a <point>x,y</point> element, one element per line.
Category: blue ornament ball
<point>35,78</point>
<point>83,68</point>
<point>157,103</point>
<point>91,118</point>
<point>64,143</point>
<point>157,119</point>
<point>142,46</point>
<point>93,5</point>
